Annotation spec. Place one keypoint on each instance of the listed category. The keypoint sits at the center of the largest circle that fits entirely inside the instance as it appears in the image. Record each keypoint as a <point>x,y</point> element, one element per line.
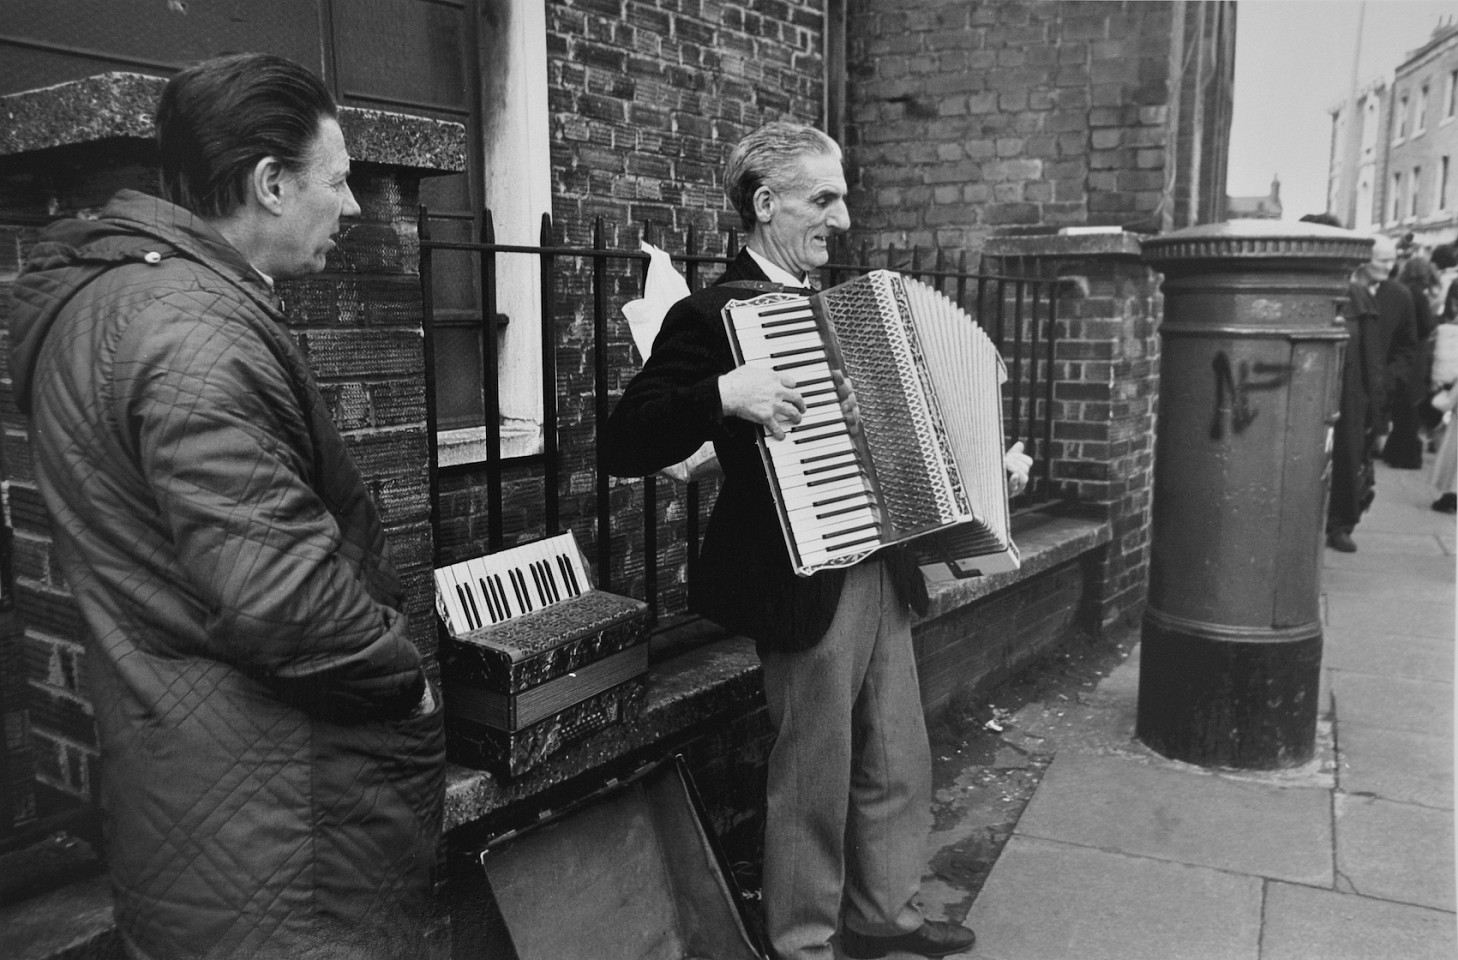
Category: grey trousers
<point>849,777</point>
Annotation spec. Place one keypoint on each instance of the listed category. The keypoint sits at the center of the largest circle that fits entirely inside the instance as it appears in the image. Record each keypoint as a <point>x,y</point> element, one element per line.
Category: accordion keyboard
<point>816,466</point>
<point>509,583</point>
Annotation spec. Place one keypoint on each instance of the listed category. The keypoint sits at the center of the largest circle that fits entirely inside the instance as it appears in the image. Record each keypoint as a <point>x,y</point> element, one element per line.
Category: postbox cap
<point>1279,243</point>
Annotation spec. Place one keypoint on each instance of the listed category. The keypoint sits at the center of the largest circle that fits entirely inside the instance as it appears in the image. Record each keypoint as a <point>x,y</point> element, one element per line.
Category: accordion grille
<point>883,358</point>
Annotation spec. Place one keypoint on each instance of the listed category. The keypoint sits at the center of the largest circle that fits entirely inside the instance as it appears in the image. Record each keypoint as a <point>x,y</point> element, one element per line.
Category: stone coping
<point>73,921</point>
<point>699,686</point>
<point>1053,246</point>
<point>119,105</point>
<point>1045,539</point>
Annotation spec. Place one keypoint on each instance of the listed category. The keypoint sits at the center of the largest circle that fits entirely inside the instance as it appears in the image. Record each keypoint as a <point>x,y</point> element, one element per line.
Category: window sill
<point>519,438</point>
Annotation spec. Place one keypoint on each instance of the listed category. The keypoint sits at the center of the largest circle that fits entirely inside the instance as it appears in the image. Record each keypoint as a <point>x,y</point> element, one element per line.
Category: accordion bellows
<point>928,455</point>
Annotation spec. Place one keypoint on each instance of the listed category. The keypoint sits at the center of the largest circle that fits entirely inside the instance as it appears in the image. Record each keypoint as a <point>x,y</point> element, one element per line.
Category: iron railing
<point>1019,313</point>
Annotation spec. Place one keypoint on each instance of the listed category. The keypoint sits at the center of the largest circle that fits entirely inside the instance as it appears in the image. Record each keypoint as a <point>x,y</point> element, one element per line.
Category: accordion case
<point>925,464</point>
<point>520,689</point>
<point>629,873</point>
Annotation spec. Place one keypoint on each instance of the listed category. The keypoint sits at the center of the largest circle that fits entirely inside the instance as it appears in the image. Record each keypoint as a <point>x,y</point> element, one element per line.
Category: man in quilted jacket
<point>272,753</point>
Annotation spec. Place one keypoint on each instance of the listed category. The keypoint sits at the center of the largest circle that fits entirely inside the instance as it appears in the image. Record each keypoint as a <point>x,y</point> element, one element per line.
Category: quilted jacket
<point>271,787</point>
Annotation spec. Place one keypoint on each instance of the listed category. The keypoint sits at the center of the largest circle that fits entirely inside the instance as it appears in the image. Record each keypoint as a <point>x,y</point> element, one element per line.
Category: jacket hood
<point>134,228</point>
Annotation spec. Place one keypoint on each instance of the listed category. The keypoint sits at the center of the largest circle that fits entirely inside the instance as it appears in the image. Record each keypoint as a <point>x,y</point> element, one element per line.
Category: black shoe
<point>1341,540</point>
<point>934,938</point>
<point>1447,503</point>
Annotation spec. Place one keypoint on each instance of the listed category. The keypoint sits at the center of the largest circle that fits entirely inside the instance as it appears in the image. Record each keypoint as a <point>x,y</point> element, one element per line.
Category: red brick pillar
<point>1106,368</point>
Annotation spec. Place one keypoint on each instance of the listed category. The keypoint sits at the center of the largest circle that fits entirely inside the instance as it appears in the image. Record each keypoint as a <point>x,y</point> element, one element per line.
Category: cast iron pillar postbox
<point>1250,378</point>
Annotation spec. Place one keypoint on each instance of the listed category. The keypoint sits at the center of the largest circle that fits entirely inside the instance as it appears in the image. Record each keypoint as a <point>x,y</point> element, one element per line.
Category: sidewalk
<point>1125,855</point>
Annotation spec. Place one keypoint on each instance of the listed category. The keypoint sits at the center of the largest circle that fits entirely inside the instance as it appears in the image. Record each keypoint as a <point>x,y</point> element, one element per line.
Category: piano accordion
<point>925,466</point>
<point>536,658</point>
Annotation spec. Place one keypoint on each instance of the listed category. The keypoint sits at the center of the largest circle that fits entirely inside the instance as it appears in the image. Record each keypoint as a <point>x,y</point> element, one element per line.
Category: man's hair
<point>217,119</point>
<point>1418,271</point>
<point>768,156</point>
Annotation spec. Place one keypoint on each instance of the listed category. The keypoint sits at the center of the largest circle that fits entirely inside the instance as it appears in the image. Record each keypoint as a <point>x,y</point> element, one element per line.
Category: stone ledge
<point>1055,247</point>
<point>69,923</point>
<point>699,686</point>
<point>119,105</point>
<point>1045,539</point>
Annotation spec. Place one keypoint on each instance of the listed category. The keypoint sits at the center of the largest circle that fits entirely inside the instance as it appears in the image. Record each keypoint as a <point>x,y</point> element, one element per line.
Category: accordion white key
<point>925,466</point>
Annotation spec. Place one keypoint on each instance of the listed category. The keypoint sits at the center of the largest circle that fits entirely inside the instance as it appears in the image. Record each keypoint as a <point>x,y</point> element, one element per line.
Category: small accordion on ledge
<point>536,658</point>
<point>924,466</point>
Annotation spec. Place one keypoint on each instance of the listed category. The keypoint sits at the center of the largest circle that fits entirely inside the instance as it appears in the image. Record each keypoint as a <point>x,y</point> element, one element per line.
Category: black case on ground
<point>631,872</point>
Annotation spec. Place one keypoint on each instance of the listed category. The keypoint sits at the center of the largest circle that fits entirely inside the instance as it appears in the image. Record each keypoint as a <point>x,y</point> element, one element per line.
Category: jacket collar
<point>744,267</point>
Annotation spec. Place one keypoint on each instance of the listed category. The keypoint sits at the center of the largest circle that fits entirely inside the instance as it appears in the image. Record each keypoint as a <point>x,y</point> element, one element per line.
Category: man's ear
<point>266,184</point>
<point>764,204</point>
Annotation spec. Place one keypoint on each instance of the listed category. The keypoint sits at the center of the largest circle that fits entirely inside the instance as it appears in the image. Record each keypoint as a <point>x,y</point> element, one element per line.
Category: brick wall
<point>965,118</point>
<point>647,97</point>
<point>978,646</point>
<point>1106,368</point>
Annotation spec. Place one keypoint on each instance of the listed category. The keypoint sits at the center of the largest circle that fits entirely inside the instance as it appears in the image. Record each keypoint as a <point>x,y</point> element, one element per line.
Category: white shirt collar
<point>776,273</point>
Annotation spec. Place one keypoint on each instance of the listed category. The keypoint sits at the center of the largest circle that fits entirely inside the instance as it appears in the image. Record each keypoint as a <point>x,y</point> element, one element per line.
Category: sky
<point>1293,62</point>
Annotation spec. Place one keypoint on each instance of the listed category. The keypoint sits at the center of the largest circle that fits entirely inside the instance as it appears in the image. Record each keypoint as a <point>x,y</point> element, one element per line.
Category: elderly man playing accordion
<point>850,772</point>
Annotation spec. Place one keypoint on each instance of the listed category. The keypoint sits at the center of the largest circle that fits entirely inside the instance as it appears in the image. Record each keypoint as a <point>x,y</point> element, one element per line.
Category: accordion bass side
<point>925,465</point>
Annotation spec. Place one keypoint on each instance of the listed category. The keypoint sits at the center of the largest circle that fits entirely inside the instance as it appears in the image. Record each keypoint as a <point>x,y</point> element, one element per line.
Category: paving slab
<point>1184,815</point>
<point>1389,655</point>
<point>1397,765</point>
<point>1055,901</point>
<point>1400,577</point>
<point>1410,512</point>
<point>1372,542</point>
<point>1304,923</point>
<point>1395,851</point>
<point>1421,618</point>
<point>1394,703</point>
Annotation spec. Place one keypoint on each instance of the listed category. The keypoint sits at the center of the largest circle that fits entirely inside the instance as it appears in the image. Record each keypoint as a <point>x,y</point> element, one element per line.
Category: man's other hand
<point>1018,465</point>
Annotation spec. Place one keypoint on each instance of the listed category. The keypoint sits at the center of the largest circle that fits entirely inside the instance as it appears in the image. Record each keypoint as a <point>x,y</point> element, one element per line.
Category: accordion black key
<point>536,658</point>
<point>925,464</point>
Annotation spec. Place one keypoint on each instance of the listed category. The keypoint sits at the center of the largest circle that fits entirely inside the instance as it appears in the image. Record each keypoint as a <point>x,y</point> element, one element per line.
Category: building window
<point>1368,121</point>
<point>1396,198</point>
<point>1412,200</point>
<point>1420,111</point>
<point>1449,94</point>
<point>1443,185</point>
<point>515,140</point>
<point>1402,118</point>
